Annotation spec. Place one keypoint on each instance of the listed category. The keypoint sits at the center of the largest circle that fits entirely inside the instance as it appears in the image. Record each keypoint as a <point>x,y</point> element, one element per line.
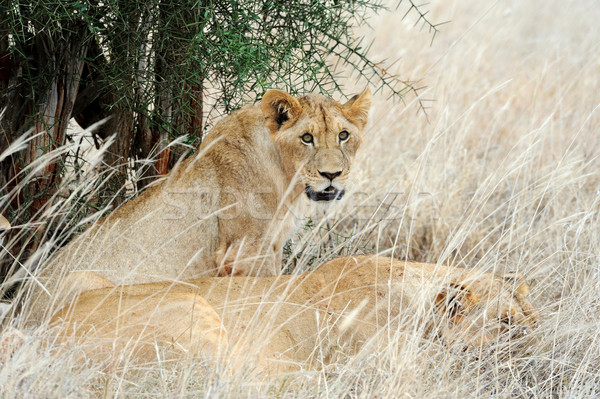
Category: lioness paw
<point>241,267</point>
<point>238,260</point>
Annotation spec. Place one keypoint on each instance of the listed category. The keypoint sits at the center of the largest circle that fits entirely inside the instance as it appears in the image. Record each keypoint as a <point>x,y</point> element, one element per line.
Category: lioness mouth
<point>329,194</point>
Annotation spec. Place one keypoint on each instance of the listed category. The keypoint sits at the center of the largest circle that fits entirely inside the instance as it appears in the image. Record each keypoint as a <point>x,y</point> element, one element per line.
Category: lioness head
<point>317,138</point>
<point>478,311</point>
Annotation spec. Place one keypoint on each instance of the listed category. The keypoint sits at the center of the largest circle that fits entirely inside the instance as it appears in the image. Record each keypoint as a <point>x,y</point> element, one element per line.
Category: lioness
<point>229,209</point>
<point>285,320</point>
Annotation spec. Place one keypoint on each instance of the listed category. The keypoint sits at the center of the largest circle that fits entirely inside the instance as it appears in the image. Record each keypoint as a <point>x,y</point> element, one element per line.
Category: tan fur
<point>4,223</point>
<point>284,321</point>
<point>181,321</point>
<point>229,209</point>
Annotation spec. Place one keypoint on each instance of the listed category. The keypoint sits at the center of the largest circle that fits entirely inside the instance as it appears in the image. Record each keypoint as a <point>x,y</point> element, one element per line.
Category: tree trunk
<point>46,110</point>
<point>43,107</point>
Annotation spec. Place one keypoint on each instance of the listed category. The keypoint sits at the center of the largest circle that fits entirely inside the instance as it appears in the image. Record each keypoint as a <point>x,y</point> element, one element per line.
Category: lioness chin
<point>289,322</point>
<point>229,209</point>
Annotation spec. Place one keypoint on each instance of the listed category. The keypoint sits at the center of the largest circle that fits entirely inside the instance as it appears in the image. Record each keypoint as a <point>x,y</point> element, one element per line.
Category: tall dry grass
<point>502,174</point>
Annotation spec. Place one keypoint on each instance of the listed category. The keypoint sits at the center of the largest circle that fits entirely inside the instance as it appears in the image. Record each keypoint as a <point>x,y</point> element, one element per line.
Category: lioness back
<point>230,208</point>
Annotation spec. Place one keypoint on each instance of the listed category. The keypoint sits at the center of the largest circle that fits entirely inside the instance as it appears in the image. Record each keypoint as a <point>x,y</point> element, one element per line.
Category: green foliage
<point>239,49</point>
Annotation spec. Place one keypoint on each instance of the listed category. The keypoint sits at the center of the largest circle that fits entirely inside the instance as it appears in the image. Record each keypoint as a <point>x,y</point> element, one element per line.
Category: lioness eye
<point>343,136</point>
<point>307,138</point>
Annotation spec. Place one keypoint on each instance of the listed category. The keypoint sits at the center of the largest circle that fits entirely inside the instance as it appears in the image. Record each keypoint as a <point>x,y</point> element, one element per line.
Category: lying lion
<point>284,321</point>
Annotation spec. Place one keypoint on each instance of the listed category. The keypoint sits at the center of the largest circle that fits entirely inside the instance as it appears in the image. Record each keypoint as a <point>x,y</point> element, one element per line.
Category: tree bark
<point>43,107</point>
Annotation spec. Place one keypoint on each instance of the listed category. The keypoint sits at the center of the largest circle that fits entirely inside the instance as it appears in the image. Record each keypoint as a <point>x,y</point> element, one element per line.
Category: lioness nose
<point>330,175</point>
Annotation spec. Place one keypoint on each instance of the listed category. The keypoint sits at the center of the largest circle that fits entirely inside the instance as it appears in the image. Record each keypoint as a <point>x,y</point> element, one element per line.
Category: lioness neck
<point>242,141</point>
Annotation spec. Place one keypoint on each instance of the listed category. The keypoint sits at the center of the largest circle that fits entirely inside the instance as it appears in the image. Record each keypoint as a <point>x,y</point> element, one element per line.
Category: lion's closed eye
<point>450,302</point>
<point>505,323</point>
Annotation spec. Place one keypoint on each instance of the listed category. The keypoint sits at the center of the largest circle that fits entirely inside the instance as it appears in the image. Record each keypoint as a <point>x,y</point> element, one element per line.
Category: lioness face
<point>486,309</point>
<point>317,138</point>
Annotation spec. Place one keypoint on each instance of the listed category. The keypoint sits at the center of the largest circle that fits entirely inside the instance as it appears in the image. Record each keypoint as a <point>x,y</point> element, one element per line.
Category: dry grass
<point>504,176</point>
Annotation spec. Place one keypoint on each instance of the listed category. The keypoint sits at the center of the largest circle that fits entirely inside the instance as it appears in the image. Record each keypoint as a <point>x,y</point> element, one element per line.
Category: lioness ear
<point>279,108</point>
<point>519,282</point>
<point>357,108</point>
<point>451,301</point>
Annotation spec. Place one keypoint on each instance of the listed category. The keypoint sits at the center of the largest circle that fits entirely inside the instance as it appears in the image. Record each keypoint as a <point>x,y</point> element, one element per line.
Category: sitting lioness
<point>229,209</point>
<point>284,321</point>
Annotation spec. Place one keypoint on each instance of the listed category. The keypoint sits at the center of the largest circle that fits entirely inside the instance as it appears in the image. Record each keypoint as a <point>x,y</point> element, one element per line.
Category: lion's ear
<point>451,301</point>
<point>279,108</point>
<point>518,280</point>
<point>357,108</point>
